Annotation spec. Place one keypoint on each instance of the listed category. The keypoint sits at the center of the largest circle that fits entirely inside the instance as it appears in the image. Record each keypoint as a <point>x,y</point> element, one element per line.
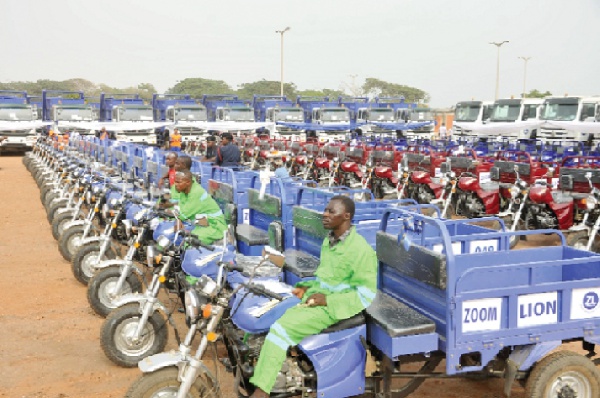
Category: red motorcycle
<point>326,166</point>
<point>351,174</point>
<point>384,181</point>
<point>424,184</point>
<point>477,195</point>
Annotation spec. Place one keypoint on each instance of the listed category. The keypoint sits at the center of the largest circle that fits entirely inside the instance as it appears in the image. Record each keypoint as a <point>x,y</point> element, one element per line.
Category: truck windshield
<point>559,111</point>
<point>505,112</point>
<point>382,115</point>
<point>288,114</point>
<point>73,112</point>
<point>239,115</point>
<point>466,113</point>
<point>335,115</point>
<point>190,113</point>
<point>421,115</point>
<point>135,113</point>
<point>16,112</point>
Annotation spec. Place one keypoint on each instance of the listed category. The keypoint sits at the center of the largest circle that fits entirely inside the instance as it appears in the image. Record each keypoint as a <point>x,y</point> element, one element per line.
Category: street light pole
<point>525,74</point>
<point>281,32</point>
<point>498,64</point>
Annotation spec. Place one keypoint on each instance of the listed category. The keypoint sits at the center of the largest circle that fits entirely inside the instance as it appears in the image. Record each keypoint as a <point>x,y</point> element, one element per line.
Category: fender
<point>65,210</point>
<point>91,239</point>
<point>491,201</point>
<point>139,298</point>
<point>74,223</point>
<point>116,263</point>
<point>172,358</point>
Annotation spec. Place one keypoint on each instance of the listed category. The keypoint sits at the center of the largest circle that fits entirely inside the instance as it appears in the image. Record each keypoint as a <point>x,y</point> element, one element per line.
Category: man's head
<point>183,181</point>
<point>103,129</point>
<point>176,131</point>
<point>226,138</point>
<point>183,162</point>
<point>338,214</point>
<point>211,141</point>
<point>171,159</point>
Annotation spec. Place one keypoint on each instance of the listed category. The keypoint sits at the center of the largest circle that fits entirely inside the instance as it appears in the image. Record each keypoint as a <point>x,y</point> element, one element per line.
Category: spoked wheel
<point>164,384</point>
<point>564,374</point>
<point>84,262</point>
<point>59,222</point>
<point>117,336</point>
<point>392,389</point>
<point>100,289</point>
<point>70,241</point>
<point>579,240</point>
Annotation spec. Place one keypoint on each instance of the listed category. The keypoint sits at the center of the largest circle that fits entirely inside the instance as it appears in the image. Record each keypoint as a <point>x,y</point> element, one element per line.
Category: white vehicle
<point>470,115</point>
<point>332,116</point>
<point>185,118</point>
<point>64,115</point>
<point>515,117</point>
<point>17,122</point>
<point>370,115</point>
<point>570,117</point>
<point>140,126</point>
<point>421,115</point>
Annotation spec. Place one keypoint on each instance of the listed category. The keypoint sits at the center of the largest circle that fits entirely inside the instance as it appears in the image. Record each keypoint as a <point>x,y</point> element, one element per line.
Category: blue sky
<point>439,46</point>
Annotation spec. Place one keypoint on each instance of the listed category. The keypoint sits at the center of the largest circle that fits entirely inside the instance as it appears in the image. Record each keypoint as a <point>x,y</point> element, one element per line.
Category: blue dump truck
<point>323,118</point>
<point>129,116</point>
<point>186,113</point>
<point>227,108</point>
<point>18,119</point>
<point>68,110</point>
<point>275,109</point>
<point>369,117</point>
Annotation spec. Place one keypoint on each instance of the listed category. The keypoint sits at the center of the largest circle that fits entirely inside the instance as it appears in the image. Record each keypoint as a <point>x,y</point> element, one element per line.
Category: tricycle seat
<point>251,235</point>
<point>396,318</point>
<point>300,263</point>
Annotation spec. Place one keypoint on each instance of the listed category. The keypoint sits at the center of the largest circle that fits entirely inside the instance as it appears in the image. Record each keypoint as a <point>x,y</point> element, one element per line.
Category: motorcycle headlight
<point>591,202</point>
<point>140,214</point>
<point>193,304</point>
<point>514,191</point>
<point>207,286</point>
<point>127,224</point>
<point>105,211</point>
<point>162,243</point>
<point>96,190</point>
<point>114,202</point>
<point>152,256</point>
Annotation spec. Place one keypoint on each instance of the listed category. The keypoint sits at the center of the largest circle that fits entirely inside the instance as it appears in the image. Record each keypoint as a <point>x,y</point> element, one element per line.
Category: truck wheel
<point>118,328</point>
<point>83,263</point>
<point>102,283</point>
<point>563,374</point>
<point>164,383</point>
<point>58,224</point>
<point>578,240</point>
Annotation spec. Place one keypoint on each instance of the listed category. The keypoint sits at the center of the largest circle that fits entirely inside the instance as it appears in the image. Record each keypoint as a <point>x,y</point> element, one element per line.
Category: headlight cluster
<point>514,191</point>
<point>591,202</point>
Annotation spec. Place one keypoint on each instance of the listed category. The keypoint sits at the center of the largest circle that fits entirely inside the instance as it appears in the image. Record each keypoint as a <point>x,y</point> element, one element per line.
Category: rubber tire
<point>578,237</point>
<point>64,241</point>
<point>59,222</point>
<point>81,255</point>
<point>48,202</point>
<point>45,190</point>
<point>124,313</point>
<point>53,208</point>
<point>149,384</point>
<point>546,371</point>
<point>98,283</point>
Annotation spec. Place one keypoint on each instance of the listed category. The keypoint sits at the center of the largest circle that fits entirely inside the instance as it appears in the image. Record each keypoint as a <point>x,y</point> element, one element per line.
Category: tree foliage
<point>375,87</point>
<point>538,94</point>
<point>197,86</point>
<point>267,87</point>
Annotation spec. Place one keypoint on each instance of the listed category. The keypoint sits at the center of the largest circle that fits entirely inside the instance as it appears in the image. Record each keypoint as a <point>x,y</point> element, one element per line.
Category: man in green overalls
<point>193,200</point>
<point>346,284</point>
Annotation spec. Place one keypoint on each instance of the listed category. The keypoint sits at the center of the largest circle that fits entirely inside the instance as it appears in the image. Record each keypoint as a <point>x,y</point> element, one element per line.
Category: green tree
<point>197,86</point>
<point>375,87</point>
<point>538,94</point>
<point>266,87</point>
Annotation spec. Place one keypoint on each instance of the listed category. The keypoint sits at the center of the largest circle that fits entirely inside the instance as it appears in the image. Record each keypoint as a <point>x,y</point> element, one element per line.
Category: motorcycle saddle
<point>357,320</point>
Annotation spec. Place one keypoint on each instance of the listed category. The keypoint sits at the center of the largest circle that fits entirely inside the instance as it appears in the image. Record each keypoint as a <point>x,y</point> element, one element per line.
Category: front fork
<point>517,215</point>
<point>447,200</point>
<point>150,298</point>
<point>127,266</point>
<point>593,233</point>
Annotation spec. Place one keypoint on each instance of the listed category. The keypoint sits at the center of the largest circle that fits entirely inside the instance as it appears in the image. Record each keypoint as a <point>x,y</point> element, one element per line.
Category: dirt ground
<point>49,336</point>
